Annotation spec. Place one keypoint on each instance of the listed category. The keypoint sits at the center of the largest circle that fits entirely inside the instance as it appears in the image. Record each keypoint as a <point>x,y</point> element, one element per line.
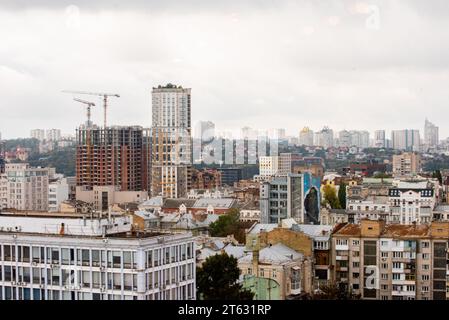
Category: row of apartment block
<point>392,262</point>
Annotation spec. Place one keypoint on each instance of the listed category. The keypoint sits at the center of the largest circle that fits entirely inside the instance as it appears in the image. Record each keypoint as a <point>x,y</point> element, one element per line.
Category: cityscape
<point>182,206</point>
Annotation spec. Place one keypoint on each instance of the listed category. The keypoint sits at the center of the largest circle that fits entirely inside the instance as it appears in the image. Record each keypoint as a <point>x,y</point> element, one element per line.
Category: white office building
<point>58,258</point>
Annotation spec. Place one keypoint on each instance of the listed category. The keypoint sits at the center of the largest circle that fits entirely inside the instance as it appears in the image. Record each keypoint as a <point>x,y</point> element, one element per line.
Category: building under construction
<point>118,156</point>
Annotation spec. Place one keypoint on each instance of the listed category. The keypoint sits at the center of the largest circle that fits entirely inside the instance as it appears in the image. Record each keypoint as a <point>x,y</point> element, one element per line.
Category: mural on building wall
<point>311,199</point>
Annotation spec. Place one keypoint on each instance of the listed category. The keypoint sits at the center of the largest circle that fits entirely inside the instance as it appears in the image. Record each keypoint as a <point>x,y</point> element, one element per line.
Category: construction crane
<point>89,106</point>
<point>105,99</point>
<point>88,139</point>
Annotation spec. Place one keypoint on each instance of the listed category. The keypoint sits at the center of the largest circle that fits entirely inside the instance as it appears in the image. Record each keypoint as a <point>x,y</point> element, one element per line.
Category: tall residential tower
<point>171,141</point>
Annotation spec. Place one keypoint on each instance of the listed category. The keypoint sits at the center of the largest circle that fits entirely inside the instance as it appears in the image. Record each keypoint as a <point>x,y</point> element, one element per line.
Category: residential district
<point>145,213</point>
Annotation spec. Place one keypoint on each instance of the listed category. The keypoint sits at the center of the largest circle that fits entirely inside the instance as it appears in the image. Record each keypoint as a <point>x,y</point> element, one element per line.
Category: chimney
<point>256,262</point>
<point>62,230</point>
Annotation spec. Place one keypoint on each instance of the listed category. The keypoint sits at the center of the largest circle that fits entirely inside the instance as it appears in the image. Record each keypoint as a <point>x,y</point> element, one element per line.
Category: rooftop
<point>275,254</point>
<point>388,231</point>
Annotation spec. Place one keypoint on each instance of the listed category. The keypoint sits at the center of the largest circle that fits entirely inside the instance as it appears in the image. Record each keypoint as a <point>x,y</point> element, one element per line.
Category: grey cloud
<point>258,63</point>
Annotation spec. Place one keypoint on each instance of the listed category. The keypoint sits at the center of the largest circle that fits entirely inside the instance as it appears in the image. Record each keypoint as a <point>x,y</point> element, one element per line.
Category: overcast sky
<point>264,64</point>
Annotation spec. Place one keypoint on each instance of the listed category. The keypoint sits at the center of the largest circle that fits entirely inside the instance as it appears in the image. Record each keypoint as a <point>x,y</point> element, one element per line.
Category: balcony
<point>403,293</point>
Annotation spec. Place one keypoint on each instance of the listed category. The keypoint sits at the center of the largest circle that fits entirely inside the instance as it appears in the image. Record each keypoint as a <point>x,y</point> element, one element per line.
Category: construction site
<point>111,156</point>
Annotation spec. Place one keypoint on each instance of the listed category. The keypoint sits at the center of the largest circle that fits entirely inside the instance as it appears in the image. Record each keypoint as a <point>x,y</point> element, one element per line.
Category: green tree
<point>330,197</point>
<point>335,291</point>
<point>342,195</point>
<point>217,279</point>
<point>226,224</point>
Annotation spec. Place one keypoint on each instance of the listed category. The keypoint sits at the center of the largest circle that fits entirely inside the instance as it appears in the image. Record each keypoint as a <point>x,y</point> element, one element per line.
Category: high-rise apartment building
<point>359,139</point>
<point>379,139</point>
<point>38,134</point>
<point>306,137</point>
<point>24,188</point>
<point>53,135</point>
<point>430,134</point>
<point>115,156</point>
<point>407,140</point>
<point>406,164</point>
<point>171,141</point>
<point>344,139</point>
<point>324,138</point>
<point>286,162</point>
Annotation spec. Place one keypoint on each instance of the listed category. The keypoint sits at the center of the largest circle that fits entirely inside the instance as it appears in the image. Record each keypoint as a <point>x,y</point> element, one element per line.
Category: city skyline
<point>335,63</point>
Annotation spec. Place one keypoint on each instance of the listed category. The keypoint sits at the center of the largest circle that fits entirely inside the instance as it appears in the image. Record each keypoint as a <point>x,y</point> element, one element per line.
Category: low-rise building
<point>102,197</point>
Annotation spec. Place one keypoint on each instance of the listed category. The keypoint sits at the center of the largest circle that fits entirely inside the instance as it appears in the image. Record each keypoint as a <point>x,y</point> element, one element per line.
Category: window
<point>356,264</point>
<point>65,255</point>
<point>396,276</point>
<point>410,287</point>
<point>425,277</point>
<point>36,254</point>
<point>356,254</point>
<point>425,244</point>
<point>384,265</point>
<point>127,259</point>
<point>116,259</point>
<point>355,242</point>
<point>384,276</point>
<point>117,281</point>
<point>425,267</point>
<point>149,259</point>
<point>96,279</point>
<point>95,258</point>
<point>384,287</point>
<point>85,257</point>
<point>86,279</point>
<point>425,256</point>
